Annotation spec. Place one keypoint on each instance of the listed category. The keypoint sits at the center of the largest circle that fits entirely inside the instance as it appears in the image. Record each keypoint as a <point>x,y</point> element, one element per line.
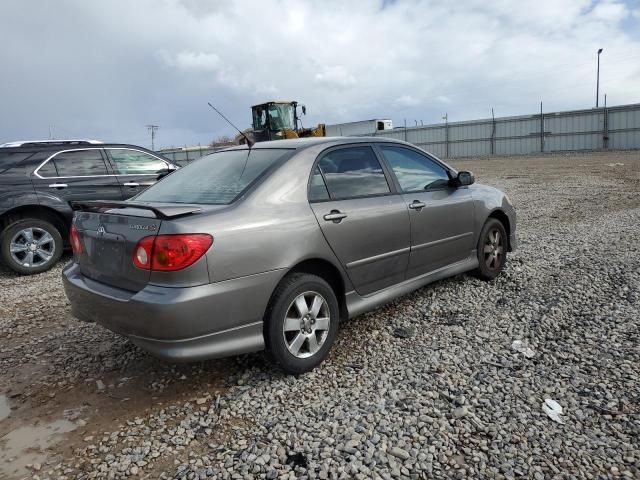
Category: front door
<point>442,216</point>
<point>76,175</point>
<point>364,221</point>
<point>136,170</point>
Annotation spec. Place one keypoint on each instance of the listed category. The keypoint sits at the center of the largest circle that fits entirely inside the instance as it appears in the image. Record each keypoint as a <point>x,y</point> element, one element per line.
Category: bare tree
<point>221,139</point>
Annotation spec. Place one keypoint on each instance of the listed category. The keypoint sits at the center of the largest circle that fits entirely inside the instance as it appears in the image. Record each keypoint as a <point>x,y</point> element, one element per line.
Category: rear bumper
<point>178,324</point>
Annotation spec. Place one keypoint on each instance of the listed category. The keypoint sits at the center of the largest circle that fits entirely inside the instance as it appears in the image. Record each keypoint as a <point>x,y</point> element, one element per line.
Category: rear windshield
<point>217,179</point>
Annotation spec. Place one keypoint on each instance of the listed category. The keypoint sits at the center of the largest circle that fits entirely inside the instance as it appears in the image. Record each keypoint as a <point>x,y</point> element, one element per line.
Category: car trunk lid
<point>110,231</point>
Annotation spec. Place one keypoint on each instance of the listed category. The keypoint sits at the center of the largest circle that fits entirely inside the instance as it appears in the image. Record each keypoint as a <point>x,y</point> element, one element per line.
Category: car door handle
<point>335,216</point>
<point>131,184</point>
<point>59,186</point>
<point>416,205</point>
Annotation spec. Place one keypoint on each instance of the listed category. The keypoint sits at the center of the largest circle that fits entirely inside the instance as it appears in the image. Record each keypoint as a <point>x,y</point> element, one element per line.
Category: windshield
<point>281,115</point>
<point>217,179</point>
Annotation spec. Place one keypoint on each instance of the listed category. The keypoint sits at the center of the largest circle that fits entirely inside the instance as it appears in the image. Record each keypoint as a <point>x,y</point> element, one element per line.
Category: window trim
<point>107,162</point>
<point>390,180</point>
<point>107,165</point>
<point>111,163</point>
<point>450,172</point>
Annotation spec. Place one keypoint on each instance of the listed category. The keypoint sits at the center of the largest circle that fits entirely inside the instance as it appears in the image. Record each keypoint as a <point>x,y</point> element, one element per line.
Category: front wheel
<point>301,322</point>
<point>30,246</point>
<point>492,250</point>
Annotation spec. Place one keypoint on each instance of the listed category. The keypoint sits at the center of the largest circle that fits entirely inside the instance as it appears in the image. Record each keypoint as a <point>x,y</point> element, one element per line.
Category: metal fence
<point>613,128</point>
<point>184,155</point>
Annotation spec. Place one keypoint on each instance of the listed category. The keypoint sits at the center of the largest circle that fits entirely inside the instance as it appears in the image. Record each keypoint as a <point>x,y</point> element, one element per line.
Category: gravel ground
<point>429,386</point>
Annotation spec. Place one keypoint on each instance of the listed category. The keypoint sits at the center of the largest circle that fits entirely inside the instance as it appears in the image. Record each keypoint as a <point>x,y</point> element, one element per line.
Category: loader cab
<point>272,120</point>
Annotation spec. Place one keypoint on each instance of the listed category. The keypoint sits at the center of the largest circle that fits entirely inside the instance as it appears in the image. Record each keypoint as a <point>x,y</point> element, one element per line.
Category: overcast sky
<point>106,69</point>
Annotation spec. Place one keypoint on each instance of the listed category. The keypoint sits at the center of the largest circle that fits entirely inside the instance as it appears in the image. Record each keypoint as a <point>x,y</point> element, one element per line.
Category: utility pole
<point>598,79</point>
<point>152,129</point>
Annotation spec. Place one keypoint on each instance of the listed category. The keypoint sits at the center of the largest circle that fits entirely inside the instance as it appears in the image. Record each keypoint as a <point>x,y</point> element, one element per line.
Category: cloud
<point>193,61</point>
<point>335,76</point>
<point>406,101</point>
<point>107,69</point>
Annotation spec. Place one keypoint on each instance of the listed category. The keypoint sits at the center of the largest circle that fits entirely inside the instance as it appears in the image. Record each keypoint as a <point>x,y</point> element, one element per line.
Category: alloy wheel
<point>493,249</point>
<point>306,324</point>
<point>32,247</point>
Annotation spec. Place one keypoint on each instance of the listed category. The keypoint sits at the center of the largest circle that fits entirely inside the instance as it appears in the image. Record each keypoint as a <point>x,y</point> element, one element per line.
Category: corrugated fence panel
<point>563,131</point>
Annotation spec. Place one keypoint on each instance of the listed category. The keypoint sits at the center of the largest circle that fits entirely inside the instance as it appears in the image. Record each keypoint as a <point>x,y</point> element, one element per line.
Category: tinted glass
<point>215,179</point>
<point>131,162</point>
<point>353,172</point>
<point>415,172</point>
<point>317,188</point>
<point>48,170</point>
<point>80,163</point>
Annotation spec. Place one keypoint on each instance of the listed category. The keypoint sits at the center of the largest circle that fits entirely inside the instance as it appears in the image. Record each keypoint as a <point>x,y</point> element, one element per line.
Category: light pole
<point>598,79</point>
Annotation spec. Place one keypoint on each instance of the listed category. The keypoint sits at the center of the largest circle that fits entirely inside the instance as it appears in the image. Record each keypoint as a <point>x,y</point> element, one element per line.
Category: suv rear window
<point>217,179</point>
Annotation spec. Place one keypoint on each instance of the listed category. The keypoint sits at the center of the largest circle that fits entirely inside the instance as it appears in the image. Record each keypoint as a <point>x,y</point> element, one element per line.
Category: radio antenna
<point>249,142</point>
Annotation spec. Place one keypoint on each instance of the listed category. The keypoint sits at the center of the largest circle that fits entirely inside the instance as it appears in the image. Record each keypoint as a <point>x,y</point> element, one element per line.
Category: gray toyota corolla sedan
<point>270,247</point>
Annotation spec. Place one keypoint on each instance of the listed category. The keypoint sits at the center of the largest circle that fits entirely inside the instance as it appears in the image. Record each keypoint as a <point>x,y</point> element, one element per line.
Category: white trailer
<point>363,127</point>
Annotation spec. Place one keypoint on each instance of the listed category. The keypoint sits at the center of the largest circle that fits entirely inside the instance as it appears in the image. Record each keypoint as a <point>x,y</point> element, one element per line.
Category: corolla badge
<point>101,230</point>
<point>152,226</point>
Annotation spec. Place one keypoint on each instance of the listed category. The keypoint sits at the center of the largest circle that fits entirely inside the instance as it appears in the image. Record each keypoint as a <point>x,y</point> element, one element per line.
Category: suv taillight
<point>74,238</point>
<point>168,253</point>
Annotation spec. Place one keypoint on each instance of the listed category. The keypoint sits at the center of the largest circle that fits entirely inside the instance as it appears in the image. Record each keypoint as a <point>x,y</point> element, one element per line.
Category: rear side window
<point>133,162</point>
<point>78,163</point>
<point>48,170</point>
<point>317,188</point>
<point>415,172</point>
<point>353,172</point>
<point>216,179</point>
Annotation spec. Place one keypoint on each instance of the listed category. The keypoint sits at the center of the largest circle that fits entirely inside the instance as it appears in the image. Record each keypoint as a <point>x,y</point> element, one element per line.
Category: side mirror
<point>304,110</point>
<point>464,179</point>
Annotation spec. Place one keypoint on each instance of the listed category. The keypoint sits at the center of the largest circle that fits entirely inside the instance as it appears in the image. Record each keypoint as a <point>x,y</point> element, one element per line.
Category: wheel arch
<point>36,211</point>
<point>326,270</point>
<point>503,218</point>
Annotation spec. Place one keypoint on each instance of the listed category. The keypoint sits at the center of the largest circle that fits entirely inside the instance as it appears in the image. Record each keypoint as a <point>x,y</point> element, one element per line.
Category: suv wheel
<point>492,250</point>
<point>30,245</point>
<point>301,322</point>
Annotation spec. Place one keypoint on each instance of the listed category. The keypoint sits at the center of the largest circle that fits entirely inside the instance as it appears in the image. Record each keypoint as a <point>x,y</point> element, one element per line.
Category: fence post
<point>605,133</point>
<point>493,133</point>
<point>541,129</point>
<point>446,135</point>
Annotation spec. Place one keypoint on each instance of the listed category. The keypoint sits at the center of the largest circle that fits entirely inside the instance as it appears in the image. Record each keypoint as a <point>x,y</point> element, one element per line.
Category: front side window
<point>353,172</point>
<point>133,162</point>
<point>216,179</point>
<point>77,163</point>
<point>415,172</point>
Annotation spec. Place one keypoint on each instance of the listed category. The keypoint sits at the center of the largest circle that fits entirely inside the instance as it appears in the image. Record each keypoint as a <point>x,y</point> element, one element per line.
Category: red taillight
<point>168,253</point>
<point>74,238</point>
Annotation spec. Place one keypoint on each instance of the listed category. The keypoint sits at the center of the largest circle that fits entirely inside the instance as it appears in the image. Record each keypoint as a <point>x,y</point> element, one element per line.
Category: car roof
<point>67,145</point>
<point>302,143</point>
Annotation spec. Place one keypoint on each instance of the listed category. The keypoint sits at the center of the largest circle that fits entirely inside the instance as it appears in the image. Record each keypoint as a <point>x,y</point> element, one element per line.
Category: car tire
<point>492,250</point>
<point>301,322</point>
<point>35,256</point>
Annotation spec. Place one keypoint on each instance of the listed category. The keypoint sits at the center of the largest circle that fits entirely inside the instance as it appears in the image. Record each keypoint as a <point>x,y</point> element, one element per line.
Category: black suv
<point>39,179</point>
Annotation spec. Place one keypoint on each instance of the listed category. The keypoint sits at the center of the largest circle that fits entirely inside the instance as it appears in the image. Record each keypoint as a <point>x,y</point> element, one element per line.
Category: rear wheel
<point>30,245</point>
<point>492,250</point>
<point>301,322</point>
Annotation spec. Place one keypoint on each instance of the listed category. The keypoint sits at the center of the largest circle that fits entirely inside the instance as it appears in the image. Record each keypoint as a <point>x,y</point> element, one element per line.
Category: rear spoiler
<point>163,212</point>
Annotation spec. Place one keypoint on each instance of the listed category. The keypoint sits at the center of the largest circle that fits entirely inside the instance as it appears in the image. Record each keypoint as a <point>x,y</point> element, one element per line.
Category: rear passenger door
<point>136,170</point>
<point>364,221</point>
<point>79,174</point>
<point>442,216</point>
